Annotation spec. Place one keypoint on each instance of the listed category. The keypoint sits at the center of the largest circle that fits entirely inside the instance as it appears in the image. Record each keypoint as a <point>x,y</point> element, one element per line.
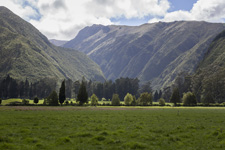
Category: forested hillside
<point>209,79</point>
<point>157,52</point>
<point>27,54</point>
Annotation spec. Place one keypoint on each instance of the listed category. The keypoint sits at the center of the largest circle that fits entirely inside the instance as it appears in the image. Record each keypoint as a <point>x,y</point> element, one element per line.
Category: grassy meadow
<point>25,127</point>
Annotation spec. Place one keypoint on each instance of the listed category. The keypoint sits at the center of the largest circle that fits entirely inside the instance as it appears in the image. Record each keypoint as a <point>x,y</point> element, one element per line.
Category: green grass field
<point>82,128</point>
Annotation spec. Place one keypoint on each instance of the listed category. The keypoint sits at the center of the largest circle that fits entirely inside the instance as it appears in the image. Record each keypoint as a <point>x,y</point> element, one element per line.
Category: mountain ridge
<point>26,53</point>
<point>156,52</point>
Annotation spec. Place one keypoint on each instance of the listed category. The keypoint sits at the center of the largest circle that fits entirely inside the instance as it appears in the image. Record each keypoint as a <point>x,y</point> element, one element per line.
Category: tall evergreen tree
<point>175,98</point>
<point>76,87</point>
<point>160,94</point>
<point>62,93</point>
<point>31,91</point>
<point>26,89</point>
<point>156,96</point>
<point>21,87</point>
<point>82,96</point>
<point>69,85</point>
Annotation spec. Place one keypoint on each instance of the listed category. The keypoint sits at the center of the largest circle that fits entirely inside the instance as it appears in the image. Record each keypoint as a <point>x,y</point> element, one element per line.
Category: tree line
<point>188,90</point>
<point>198,88</point>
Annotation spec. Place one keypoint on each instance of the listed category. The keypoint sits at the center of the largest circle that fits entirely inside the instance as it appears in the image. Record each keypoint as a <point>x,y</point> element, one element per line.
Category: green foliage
<point>94,100</point>
<point>128,99</point>
<point>175,98</point>
<point>52,99</point>
<point>145,99</point>
<point>103,99</point>
<point>25,102</point>
<point>208,98</point>
<point>134,102</point>
<point>115,100</point>
<point>189,99</point>
<point>62,93</point>
<point>209,79</point>
<point>162,102</point>
<point>82,96</point>
<point>36,100</point>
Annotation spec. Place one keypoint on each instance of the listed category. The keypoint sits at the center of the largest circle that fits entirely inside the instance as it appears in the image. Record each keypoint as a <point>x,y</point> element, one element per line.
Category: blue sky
<point>181,5</point>
<point>63,19</point>
<point>185,5</point>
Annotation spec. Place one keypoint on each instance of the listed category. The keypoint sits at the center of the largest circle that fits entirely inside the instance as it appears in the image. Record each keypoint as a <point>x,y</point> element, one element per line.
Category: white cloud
<point>26,12</point>
<point>62,19</point>
<point>203,10</point>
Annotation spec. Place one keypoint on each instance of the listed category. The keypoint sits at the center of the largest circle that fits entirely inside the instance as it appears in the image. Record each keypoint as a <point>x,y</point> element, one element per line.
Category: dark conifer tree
<point>160,94</point>
<point>82,96</point>
<point>62,93</point>
<point>69,85</point>
<point>31,91</point>
<point>156,96</point>
<point>21,89</point>
<point>26,89</point>
<point>175,98</point>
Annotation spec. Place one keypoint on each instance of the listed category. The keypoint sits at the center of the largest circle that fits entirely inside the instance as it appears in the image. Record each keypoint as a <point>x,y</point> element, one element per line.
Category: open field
<point>35,127</point>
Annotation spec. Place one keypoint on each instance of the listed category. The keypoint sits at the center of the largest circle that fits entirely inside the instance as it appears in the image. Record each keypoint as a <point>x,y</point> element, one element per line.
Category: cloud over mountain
<point>62,19</point>
<point>203,10</point>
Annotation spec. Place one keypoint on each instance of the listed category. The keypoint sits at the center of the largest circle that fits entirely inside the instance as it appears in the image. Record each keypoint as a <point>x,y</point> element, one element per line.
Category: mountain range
<point>26,53</point>
<point>155,52</point>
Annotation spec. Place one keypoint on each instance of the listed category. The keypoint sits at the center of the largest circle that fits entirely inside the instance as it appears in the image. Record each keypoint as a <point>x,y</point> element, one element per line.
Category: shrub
<point>36,100</point>
<point>25,102</point>
<point>103,99</point>
<point>189,99</point>
<point>0,101</point>
<point>53,99</point>
<point>115,100</point>
<point>128,99</point>
<point>67,102</point>
<point>134,102</point>
<point>145,99</point>
<point>94,100</point>
<point>162,102</point>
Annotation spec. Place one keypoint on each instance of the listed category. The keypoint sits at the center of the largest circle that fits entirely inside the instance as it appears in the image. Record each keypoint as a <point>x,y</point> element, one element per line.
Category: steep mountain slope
<point>156,52</point>
<point>26,53</point>
<point>209,79</point>
<point>57,42</point>
<point>215,56</point>
<point>213,63</point>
